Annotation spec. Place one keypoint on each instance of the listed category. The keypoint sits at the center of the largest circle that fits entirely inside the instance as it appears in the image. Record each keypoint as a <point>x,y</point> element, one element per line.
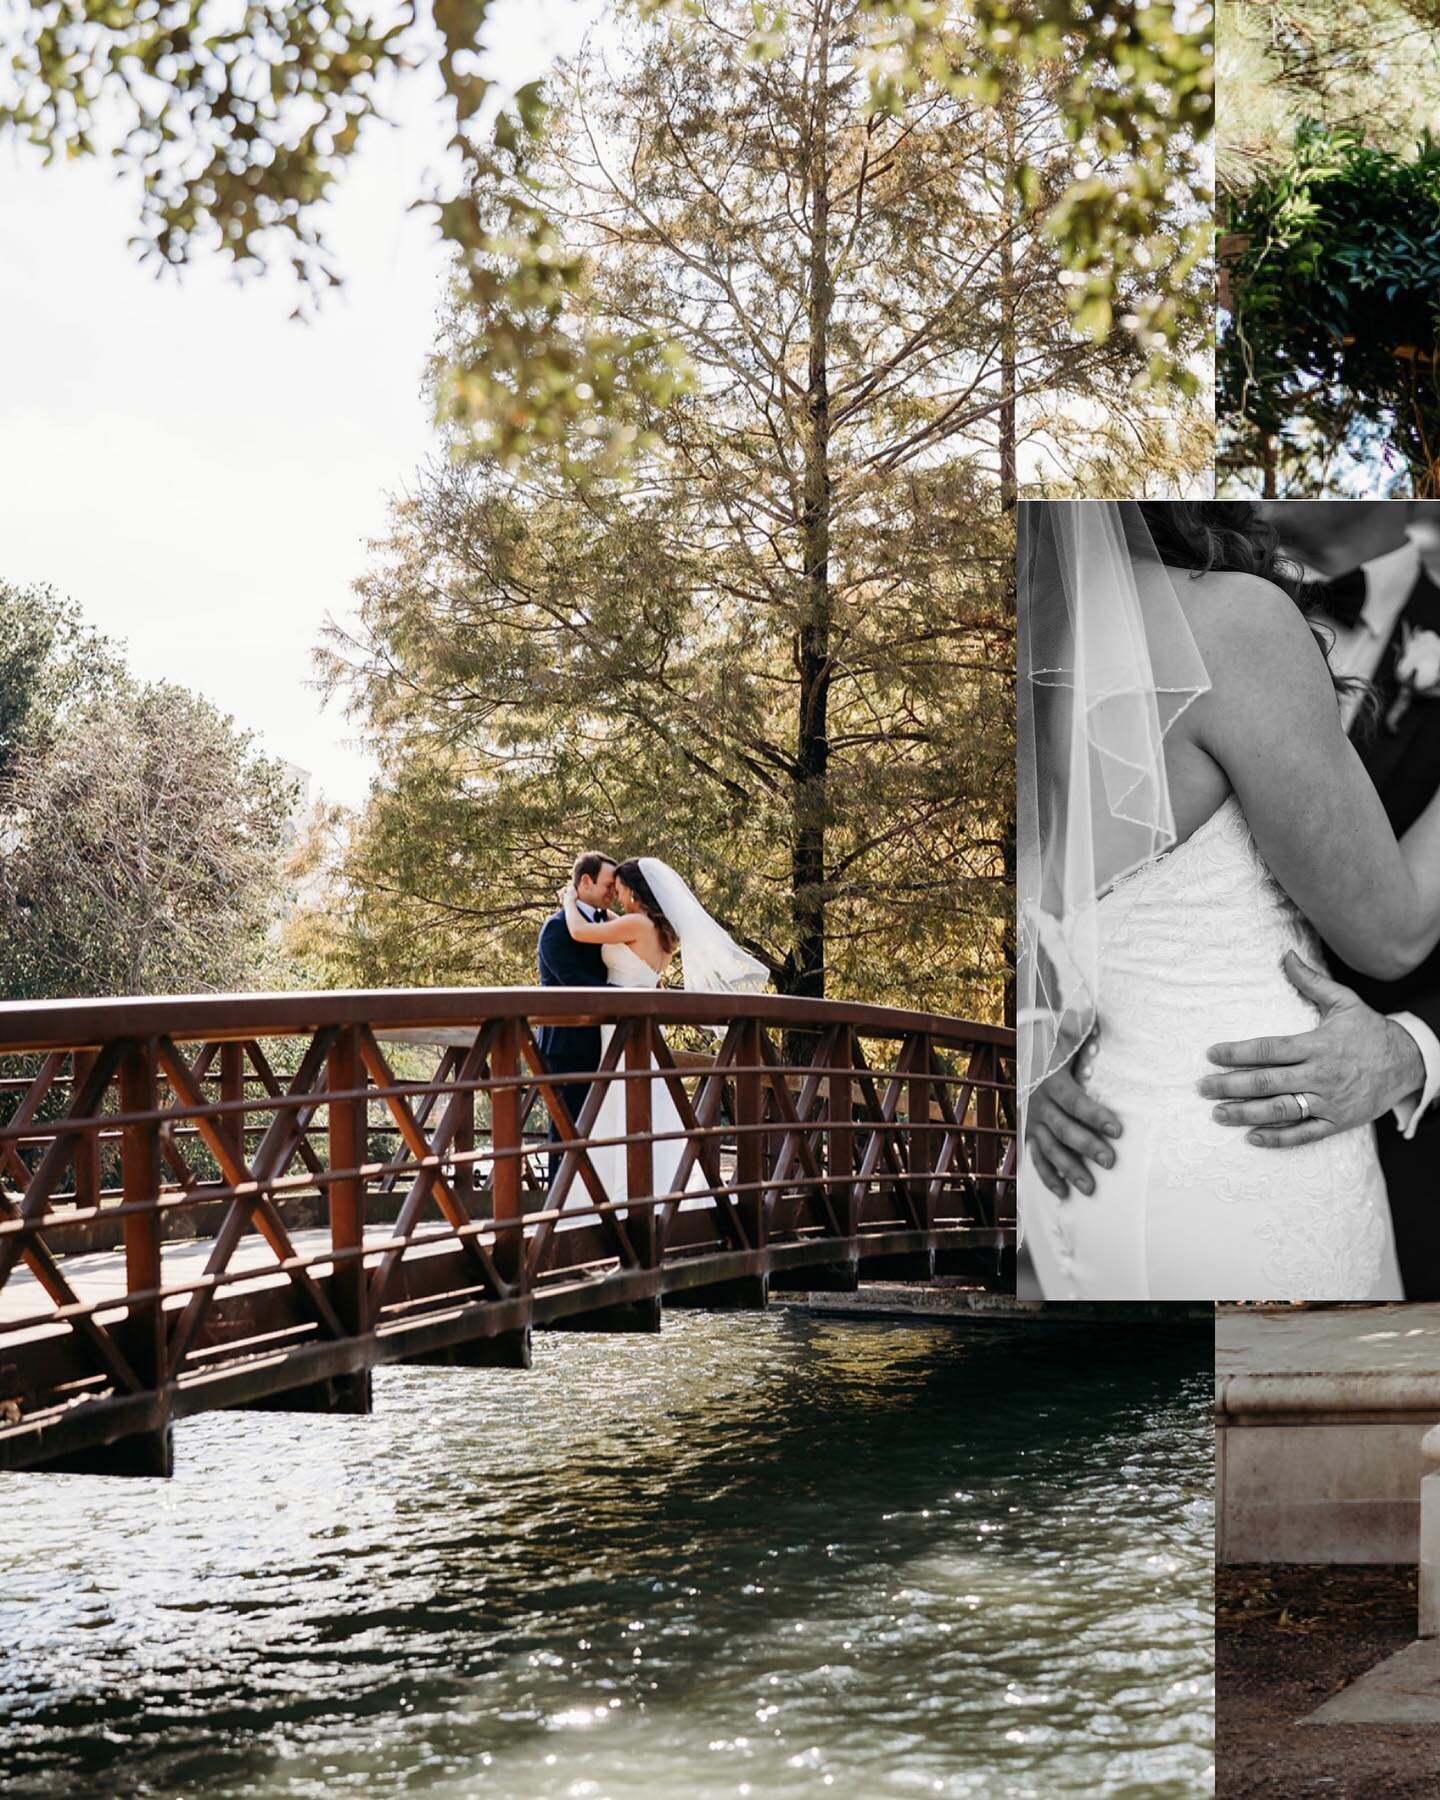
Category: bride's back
<point>637,965</point>
<point>1199,784</point>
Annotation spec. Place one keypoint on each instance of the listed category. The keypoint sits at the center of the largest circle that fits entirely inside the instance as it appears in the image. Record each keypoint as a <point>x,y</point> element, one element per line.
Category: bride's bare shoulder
<point>1238,618</point>
<point>1266,668</point>
<point>1226,596</point>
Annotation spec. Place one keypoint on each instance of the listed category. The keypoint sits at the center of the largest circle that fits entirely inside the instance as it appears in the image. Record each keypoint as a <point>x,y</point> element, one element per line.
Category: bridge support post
<point>750,1138</point>
<point>840,1132</point>
<point>336,1394</point>
<point>508,1349</point>
<point>502,1350</point>
<point>915,1265</point>
<point>462,1149</point>
<point>922,1143</point>
<point>142,1452</point>
<point>149,1453</point>
<point>640,1155</point>
<point>630,1316</point>
<point>822,1278</point>
<point>348,1120</point>
<point>140,1186</point>
<point>87,1149</point>
<point>985,1068</point>
<point>232,1091</point>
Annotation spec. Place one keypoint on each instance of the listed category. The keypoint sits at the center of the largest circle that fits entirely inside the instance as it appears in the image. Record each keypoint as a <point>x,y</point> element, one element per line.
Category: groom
<point>574,1049</point>
<point>1375,1054</point>
<point>1366,573</point>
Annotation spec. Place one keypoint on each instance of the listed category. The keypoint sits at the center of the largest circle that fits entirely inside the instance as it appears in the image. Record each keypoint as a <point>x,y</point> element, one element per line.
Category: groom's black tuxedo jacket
<point>565,963</point>
<point>1404,764</point>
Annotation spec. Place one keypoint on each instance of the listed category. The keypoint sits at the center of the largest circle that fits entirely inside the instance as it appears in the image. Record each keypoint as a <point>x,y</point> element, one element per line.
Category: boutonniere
<point>1417,672</point>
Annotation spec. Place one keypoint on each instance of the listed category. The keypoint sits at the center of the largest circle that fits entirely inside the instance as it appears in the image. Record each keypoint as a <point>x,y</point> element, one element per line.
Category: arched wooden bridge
<point>252,1200</point>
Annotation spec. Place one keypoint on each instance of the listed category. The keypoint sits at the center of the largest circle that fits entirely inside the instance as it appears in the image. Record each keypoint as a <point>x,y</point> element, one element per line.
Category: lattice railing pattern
<point>301,1186</point>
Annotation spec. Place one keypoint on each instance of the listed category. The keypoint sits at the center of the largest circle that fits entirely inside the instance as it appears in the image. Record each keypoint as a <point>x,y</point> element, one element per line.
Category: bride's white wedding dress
<point>626,969</point>
<point>1190,953</point>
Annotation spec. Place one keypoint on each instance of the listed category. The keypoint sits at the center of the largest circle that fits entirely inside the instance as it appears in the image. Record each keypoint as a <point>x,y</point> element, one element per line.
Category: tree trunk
<point>1009,482</point>
<point>806,974</point>
<point>1267,464</point>
<point>1009,494</point>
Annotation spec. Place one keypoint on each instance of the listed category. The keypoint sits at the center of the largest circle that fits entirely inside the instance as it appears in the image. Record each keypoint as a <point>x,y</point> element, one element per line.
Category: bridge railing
<point>252,1199</point>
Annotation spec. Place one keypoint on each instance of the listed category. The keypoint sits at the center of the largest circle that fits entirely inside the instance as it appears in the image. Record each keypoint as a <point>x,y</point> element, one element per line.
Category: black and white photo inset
<point>1229,900</point>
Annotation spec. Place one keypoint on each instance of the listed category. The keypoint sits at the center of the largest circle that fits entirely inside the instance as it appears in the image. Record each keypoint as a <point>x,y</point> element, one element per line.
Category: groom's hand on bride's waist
<point>1067,1131</point>
<point>1355,1066</point>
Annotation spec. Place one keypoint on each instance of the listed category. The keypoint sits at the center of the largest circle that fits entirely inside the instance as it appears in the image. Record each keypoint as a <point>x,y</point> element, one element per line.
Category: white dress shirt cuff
<point>1412,1109</point>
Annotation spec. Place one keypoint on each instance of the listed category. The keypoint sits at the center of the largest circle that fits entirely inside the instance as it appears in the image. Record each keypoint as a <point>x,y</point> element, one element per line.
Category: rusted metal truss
<point>414,1187</point>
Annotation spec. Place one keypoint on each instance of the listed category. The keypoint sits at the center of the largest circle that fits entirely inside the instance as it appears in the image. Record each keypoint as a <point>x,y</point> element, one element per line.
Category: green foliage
<point>1336,285</point>
<point>1370,65</point>
<point>1137,98</point>
<point>545,673</point>
<point>240,120</point>
<point>49,661</point>
<point>635,243</point>
<point>141,838</point>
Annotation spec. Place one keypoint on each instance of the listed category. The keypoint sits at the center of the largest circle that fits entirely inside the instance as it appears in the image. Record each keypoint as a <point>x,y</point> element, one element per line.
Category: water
<point>770,1555</point>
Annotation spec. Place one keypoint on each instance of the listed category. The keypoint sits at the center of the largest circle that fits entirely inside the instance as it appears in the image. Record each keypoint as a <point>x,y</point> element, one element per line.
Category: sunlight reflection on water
<point>772,1554</point>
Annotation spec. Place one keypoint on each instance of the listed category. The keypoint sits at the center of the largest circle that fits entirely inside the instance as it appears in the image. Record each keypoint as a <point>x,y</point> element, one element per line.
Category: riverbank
<point>954,1300</point>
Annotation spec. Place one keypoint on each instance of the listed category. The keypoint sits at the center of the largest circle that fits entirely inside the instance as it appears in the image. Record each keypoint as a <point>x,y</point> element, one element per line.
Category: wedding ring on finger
<point>1303,1102</point>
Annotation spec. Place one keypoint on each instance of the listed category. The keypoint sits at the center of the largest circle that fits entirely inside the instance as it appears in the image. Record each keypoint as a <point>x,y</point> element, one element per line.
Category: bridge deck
<point>99,1280</point>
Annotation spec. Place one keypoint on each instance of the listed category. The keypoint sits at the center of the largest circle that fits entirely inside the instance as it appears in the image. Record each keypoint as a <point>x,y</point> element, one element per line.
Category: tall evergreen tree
<point>775,649</point>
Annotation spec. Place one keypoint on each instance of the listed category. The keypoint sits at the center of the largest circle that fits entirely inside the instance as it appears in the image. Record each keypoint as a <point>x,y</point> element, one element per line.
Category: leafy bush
<point>1336,288</point>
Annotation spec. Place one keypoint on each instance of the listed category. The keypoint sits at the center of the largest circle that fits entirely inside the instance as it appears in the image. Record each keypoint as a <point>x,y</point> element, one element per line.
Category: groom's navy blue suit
<point>1404,764</point>
<point>569,1049</point>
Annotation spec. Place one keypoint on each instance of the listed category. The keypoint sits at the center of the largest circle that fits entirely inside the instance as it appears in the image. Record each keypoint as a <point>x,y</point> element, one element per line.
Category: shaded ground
<point>1289,1637</point>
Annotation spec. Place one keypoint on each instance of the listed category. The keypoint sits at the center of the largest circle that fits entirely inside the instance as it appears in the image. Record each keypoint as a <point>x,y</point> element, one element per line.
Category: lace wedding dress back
<point>628,970</point>
<point>1190,949</point>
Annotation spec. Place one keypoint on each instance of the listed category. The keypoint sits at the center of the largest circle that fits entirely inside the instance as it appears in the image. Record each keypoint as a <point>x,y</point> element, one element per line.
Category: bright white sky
<point>198,471</point>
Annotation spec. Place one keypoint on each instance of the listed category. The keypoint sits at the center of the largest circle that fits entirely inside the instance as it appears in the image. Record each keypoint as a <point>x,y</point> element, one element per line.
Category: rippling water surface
<point>770,1555</point>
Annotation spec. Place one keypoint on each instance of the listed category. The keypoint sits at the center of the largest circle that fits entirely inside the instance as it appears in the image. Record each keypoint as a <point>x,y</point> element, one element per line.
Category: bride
<point>661,918</point>
<point>1191,810</point>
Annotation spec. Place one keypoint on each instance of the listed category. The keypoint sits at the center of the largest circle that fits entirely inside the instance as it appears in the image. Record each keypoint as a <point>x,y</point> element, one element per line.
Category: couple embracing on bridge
<point>622,924</point>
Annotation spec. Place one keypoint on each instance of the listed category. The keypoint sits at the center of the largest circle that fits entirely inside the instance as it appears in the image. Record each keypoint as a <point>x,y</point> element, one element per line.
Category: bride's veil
<point>1106,664</point>
<point>710,959</point>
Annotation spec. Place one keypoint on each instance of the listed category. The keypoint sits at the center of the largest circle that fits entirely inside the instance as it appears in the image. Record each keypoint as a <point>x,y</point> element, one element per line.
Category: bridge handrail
<point>34,1026</point>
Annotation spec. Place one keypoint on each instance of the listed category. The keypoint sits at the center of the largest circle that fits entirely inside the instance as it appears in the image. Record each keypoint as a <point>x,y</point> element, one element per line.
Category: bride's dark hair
<point>1202,535</point>
<point>1220,534</point>
<point>629,872</point>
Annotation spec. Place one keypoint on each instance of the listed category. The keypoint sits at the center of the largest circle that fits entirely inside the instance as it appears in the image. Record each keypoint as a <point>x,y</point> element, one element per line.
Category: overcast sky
<point>198,471</point>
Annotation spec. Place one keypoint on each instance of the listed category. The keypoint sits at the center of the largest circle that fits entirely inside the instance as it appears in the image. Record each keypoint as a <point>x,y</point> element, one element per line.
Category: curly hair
<point>1220,534</point>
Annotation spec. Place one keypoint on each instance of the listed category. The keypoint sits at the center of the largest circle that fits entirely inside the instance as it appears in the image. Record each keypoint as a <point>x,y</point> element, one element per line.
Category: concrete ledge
<point>1320,1422</point>
<point>1324,1394</point>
